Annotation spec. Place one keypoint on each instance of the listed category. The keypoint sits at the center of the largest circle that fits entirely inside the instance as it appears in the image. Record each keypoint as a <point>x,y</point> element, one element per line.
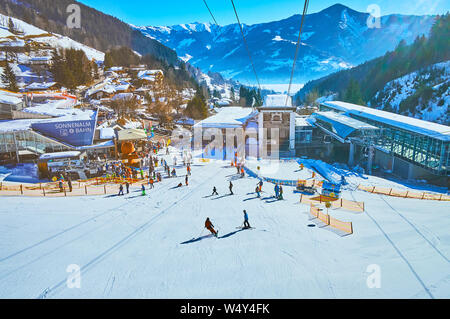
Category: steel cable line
<point>204,1</point>
<point>246,45</point>
<point>305,9</point>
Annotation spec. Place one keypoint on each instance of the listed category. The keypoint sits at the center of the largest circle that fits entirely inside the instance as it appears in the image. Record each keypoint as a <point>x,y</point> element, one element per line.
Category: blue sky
<point>170,12</point>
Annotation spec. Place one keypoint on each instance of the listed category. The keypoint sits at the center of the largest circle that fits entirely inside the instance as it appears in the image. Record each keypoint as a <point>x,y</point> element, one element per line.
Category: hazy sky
<point>170,12</point>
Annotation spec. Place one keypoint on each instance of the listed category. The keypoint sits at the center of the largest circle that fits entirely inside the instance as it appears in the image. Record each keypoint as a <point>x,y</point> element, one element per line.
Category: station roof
<point>228,117</point>
<point>430,129</point>
<point>342,125</point>
<point>49,156</point>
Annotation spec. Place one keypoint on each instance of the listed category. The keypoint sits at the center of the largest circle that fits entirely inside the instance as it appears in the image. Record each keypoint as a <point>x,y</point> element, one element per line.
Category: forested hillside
<point>98,30</point>
<point>361,83</point>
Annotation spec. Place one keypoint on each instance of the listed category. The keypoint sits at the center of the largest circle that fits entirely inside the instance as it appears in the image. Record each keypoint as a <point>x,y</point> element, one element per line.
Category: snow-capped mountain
<point>30,33</point>
<point>333,39</point>
<point>424,94</point>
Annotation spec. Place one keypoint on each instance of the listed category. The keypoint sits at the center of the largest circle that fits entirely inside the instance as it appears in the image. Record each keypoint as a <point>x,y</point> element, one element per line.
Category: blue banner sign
<point>76,133</point>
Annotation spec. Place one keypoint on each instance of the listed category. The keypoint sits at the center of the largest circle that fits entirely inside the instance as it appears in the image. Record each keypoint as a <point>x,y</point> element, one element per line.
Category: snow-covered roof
<point>122,87</point>
<point>13,43</point>
<point>345,120</point>
<point>122,96</point>
<point>434,130</point>
<point>108,88</point>
<point>22,125</point>
<point>7,98</point>
<point>107,133</point>
<point>48,156</point>
<point>149,75</point>
<point>41,58</point>
<point>228,117</point>
<point>301,121</point>
<point>277,100</point>
<point>40,86</point>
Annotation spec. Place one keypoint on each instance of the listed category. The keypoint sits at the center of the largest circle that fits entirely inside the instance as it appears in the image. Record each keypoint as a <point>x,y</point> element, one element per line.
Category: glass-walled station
<point>14,144</point>
<point>421,143</point>
<point>427,152</point>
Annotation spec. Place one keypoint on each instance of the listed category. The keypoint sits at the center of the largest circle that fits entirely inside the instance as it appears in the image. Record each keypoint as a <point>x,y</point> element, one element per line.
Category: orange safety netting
<point>404,193</point>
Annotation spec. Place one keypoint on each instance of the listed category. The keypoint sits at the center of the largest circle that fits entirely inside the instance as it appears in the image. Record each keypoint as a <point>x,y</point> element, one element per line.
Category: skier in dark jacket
<point>257,191</point>
<point>246,224</point>
<point>209,226</point>
<point>214,191</point>
<point>127,186</point>
<point>231,188</point>
<point>120,190</point>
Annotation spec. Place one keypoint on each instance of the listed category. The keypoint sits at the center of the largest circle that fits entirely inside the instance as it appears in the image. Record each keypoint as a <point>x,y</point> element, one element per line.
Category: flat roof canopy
<point>131,134</point>
<point>342,125</point>
<point>433,130</point>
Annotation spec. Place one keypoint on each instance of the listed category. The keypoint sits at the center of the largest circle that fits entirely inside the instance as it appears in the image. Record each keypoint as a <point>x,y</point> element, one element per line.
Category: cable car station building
<point>408,147</point>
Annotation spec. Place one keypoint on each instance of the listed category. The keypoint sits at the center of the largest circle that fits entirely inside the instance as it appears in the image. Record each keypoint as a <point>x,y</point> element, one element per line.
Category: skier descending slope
<point>280,196</point>
<point>246,224</point>
<point>143,190</point>
<point>231,188</point>
<point>258,191</point>
<point>214,191</point>
<point>209,226</point>
<point>277,190</point>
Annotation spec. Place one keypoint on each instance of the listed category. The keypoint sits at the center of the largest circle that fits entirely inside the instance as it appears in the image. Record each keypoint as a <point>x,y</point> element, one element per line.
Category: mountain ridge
<point>343,41</point>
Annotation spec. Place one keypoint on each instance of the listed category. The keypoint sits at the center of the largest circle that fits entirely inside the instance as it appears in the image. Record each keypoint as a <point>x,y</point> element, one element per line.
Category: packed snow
<point>155,246</point>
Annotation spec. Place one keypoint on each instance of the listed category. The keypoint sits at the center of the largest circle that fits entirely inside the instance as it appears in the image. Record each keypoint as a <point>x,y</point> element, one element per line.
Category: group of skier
<point>209,225</point>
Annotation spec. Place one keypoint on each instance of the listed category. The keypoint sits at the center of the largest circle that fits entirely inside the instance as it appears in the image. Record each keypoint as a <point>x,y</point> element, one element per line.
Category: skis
<point>241,227</point>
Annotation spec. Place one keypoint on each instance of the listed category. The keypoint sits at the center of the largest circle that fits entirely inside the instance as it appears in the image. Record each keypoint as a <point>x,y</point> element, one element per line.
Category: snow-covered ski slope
<point>155,246</point>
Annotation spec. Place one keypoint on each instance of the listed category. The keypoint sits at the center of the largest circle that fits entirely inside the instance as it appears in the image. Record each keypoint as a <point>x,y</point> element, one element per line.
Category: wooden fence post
<point>423,195</point>
<point>440,198</point>
<point>342,203</point>
<point>43,191</point>
<point>406,196</point>
<point>85,189</point>
<point>64,188</point>
<point>301,196</point>
<point>104,187</point>
<point>351,228</point>
<point>373,189</point>
<point>390,192</point>
<point>21,189</point>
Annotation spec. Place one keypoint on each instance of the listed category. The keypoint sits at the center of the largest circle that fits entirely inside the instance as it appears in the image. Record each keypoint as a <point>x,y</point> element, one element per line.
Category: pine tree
<point>197,108</point>
<point>9,78</point>
<point>232,94</point>
<point>353,93</point>
<point>12,27</point>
